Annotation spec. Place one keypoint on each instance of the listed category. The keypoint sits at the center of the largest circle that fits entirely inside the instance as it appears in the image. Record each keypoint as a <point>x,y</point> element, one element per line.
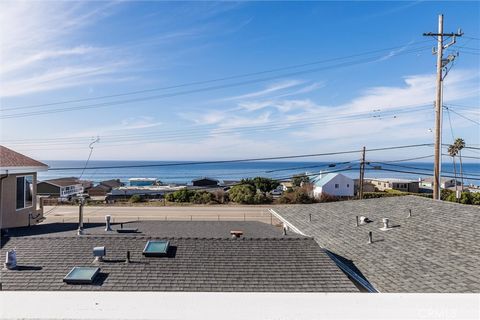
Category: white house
<point>333,184</point>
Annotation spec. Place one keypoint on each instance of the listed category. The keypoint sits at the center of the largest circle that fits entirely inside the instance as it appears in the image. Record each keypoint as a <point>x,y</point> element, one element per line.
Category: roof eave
<point>15,170</point>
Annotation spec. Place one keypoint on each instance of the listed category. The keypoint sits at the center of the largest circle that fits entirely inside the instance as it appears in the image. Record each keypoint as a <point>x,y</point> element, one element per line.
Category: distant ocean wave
<point>184,173</point>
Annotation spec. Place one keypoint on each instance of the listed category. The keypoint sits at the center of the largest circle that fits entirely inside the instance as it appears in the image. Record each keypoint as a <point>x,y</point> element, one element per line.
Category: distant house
<point>61,188</point>
<point>333,184</point>
<point>142,182</point>
<point>18,192</point>
<point>367,186</point>
<point>444,183</point>
<point>395,184</point>
<point>205,182</point>
<point>104,187</point>
<point>285,185</point>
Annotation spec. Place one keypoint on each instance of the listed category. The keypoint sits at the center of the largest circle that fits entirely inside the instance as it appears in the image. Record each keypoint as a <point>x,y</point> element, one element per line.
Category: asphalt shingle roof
<point>10,158</point>
<point>204,229</point>
<point>435,250</point>
<point>196,264</point>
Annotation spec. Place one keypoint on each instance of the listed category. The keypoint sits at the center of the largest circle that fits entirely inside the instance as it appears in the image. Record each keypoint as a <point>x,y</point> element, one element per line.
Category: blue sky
<point>62,51</point>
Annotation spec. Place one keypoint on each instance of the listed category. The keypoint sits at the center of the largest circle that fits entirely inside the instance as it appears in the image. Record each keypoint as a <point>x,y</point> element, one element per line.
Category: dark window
<point>348,185</point>
<point>24,192</point>
<point>28,191</point>
<point>20,192</point>
<point>336,186</point>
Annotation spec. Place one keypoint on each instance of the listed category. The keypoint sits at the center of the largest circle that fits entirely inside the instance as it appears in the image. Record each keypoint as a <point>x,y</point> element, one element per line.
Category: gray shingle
<point>204,258</point>
<point>436,250</point>
<point>243,265</point>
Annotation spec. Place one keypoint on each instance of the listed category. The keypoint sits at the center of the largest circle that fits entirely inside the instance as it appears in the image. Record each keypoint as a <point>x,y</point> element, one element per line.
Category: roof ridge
<point>147,237</point>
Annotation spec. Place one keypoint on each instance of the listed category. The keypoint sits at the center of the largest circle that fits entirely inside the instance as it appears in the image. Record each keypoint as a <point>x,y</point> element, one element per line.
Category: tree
<point>459,144</point>
<point>298,179</point>
<point>453,151</point>
<point>242,193</point>
<point>183,195</point>
<point>261,183</point>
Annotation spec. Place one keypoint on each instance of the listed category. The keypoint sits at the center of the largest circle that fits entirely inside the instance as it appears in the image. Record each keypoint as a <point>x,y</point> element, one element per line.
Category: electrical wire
<point>247,160</point>
<point>185,92</point>
<point>202,82</point>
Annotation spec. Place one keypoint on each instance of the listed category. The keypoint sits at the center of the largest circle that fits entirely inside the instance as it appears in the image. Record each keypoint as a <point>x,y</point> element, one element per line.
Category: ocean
<point>182,172</point>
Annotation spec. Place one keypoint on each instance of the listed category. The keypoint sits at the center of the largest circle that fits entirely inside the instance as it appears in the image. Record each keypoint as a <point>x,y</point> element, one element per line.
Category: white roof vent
<point>99,253</point>
<point>11,259</point>
<point>386,225</point>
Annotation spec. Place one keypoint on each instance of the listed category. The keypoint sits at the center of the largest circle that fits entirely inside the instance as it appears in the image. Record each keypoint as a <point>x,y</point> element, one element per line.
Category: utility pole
<point>362,174</point>
<point>441,66</point>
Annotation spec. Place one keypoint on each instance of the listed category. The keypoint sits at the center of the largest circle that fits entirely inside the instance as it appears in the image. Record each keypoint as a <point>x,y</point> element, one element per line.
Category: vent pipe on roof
<point>409,213</point>
<point>11,259</point>
<point>386,225</point>
<point>236,234</point>
<point>284,231</point>
<point>310,217</point>
<point>107,223</point>
<point>99,253</point>
<point>128,257</point>
<point>356,221</point>
<point>80,216</point>
<point>370,237</point>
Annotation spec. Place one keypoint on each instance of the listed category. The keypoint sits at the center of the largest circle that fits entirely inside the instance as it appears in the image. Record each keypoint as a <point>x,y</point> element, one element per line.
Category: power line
<point>179,93</point>
<point>422,169</point>
<point>408,159</point>
<point>201,132</point>
<point>201,82</point>
<point>467,157</point>
<point>462,116</point>
<point>245,160</point>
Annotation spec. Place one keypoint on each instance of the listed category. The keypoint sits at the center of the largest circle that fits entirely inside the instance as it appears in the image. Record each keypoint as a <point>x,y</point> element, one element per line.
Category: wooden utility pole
<point>362,174</point>
<point>441,65</point>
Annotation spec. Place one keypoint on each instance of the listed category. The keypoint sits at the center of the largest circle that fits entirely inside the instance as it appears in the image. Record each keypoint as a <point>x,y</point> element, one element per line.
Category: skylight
<point>156,248</point>
<point>81,275</point>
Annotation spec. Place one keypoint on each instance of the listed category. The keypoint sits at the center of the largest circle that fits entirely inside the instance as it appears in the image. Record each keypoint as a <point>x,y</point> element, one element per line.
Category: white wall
<point>342,190</point>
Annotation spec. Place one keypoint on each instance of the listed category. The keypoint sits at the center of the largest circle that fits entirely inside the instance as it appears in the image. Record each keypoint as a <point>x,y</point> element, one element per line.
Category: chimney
<point>107,223</point>
<point>11,259</point>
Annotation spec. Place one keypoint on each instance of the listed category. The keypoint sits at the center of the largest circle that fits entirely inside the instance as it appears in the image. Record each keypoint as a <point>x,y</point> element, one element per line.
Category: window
<point>156,248</point>
<point>24,192</point>
<point>348,185</point>
<point>81,275</point>
<point>336,185</point>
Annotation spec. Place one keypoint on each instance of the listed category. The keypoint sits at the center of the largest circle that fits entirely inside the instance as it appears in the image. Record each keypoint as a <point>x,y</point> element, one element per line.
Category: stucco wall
<point>342,191</point>
<point>10,217</point>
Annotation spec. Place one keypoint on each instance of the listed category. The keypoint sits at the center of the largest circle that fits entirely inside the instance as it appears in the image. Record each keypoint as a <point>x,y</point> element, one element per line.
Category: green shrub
<point>202,197</point>
<point>298,179</point>
<point>242,193</point>
<point>183,195</point>
<point>299,195</point>
<point>260,183</point>
<point>135,198</point>
<point>261,198</point>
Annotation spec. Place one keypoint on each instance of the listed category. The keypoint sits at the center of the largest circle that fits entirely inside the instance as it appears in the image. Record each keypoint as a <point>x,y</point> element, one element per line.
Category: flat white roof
<point>142,179</point>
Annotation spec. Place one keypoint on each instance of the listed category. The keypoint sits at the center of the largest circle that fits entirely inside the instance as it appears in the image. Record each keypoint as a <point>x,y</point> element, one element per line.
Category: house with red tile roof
<point>18,180</point>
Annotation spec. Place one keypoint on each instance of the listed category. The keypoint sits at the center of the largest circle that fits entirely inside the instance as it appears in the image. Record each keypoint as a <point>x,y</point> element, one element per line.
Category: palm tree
<point>459,144</point>
<point>453,151</point>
